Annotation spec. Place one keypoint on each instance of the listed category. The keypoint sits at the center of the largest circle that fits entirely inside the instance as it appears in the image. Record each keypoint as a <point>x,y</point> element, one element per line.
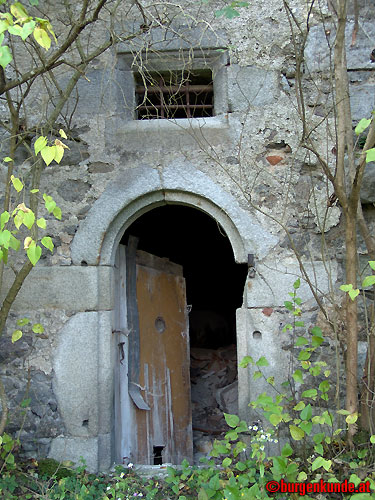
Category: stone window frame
<point>216,60</point>
<point>175,94</point>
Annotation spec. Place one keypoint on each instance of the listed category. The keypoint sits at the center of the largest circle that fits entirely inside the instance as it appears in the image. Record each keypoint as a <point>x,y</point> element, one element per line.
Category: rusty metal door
<point>159,362</point>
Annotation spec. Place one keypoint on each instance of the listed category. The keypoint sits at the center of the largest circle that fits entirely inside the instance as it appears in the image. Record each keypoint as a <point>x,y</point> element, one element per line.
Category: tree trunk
<point>351,318</point>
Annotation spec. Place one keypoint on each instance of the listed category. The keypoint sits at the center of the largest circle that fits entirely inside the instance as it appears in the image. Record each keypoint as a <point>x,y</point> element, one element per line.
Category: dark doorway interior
<point>214,286</point>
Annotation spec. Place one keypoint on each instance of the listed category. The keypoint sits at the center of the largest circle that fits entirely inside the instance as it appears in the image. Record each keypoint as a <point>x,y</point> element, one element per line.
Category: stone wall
<point>244,167</point>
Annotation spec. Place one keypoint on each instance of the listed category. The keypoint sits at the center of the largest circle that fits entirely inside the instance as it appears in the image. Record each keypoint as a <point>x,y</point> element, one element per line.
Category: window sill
<point>167,135</point>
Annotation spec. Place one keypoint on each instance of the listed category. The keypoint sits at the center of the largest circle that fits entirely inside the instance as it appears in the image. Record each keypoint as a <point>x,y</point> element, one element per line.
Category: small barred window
<point>174,94</point>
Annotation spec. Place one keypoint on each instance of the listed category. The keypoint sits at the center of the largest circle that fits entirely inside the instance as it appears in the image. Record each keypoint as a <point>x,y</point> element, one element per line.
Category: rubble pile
<point>214,391</point>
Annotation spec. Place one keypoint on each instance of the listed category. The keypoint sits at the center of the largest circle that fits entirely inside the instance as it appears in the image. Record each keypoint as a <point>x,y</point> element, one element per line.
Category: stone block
<point>103,92</point>
<point>68,448</point>
<point>368,184</point>
<point>251,86</point>
<point>87,243</point>
<point>274,280</point>
<point>73,288</point>
<point>317,52</point>
<point>175,37</point>
<point>165,135</point>
<point>73,190</point>
<point>80,388</point>
<point>266,342</point>
<point>362,101</point>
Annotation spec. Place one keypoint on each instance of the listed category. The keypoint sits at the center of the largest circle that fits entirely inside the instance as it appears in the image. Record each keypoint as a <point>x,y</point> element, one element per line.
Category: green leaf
<point>287,450</point>
<point>59,153</point>
<point>368,281</point>
<point>48,154</point>
<point>41,223</point>
<point>25,403</point>
<point>319,449</point>
<point>231,420</point>
<point>257,375</point>
<point>57,212</point>
<point>316,341</point>
<point>7,159</point>
<point>231,435</point>
<point>34,252</point>
<point>306,426</point>
<point>324,386</point>
<point>301,341</point>
<point>18,10</point>
<point>247,360</point>
<point>318,438</point>
<point>297,284</point>
<point>372,264</point>
<point>304,355</point>
<point>5,56</point>
<point>18,219</point>
<point>240,466</point>
<point>372,439</point>
<point>343,412</point>
<point>226,462</point>
<point>353,293</point>
<point>228,12</point>
<point>33,191</point>
<point>310,393</point>
<point>23,321</point>
<point>214,483</point>
<point>42,37</point>
<point>34,2</point>
<point>38,328</point>
<point>14,243</point>
<point>262,362</point>
<point>299,406</point>
<point>302,476</point>
<point>315,370</point>
<point>47,242</point>
<point>275,419</point>
<point>49,202</point>
<point>298,377</point>
<point>5,238</point>
<point>299,324</point>
<point>296,432</point>
<point>370,154</point>
<point>16,335</point>
<point>306,413</point>
<point>4,25</point>
<point>202,495</point>
<point>40,143</point>
<point>346,288</point>
<point>289,305</point>
<point>27,29</point>
<point>17,184</point>
<point>351,419</point>
<point>4,255</point>
<point>16,29</point>
<point>318,462</point>
<point>362,125</point>
<point>4,217</point>
<point>28,219</point>
<point>316,331</point>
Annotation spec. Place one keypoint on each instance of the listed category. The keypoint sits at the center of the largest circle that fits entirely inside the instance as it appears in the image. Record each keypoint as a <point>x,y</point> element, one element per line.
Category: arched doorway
<point>198,245</point>
<point>132,194</point>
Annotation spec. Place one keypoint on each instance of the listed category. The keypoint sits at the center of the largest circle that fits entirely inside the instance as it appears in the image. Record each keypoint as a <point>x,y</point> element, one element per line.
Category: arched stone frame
<point>133,193</point>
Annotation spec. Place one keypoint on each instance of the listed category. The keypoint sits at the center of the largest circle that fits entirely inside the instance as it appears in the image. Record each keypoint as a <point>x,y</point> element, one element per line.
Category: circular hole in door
<point>160,324</point>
